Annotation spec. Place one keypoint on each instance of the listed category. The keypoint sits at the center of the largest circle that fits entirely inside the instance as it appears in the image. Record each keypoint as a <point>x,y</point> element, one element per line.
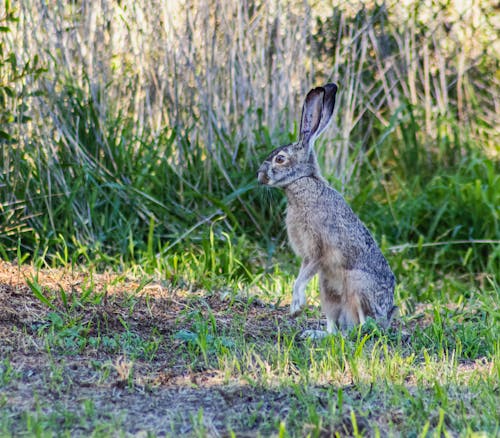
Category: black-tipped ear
<point>328,106</point>
<point>317,112</point>
<point>311,113</point>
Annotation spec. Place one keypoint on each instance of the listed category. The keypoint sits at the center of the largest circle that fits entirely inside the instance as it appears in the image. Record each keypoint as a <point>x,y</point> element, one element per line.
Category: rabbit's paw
<point>298,304</point>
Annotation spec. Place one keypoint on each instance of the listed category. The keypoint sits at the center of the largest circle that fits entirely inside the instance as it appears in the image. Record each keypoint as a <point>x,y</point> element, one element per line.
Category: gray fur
<point>355,279</point>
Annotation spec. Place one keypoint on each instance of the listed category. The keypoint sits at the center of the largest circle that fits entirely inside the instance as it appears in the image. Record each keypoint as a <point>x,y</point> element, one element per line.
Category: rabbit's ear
<point>317,112</point>
<point>328,106</point>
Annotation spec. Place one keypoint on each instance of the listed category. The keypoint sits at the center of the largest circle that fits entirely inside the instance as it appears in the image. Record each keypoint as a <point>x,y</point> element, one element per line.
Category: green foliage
<point>73,336</point>
<point>448,219</point>
<point>61,421</point>
<point>94,178</point>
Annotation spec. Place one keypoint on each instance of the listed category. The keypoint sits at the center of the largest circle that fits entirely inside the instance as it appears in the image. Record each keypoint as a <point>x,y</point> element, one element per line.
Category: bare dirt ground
<point>161,395</point>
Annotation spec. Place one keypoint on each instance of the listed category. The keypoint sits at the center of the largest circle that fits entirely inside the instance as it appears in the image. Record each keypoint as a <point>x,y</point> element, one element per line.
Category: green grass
<point>435,372</point>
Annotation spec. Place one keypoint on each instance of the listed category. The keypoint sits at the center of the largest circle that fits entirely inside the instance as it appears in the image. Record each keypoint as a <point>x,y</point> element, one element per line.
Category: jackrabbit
<point>355,279</point>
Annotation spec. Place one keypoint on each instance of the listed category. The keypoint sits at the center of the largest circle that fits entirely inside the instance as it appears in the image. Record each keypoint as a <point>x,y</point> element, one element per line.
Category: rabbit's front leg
<point>307,271</point>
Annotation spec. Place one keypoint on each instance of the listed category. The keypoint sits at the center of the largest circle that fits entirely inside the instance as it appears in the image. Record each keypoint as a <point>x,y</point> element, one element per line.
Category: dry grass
<point>155,303</point>
<point>224,70</point>
<point>162,396</point>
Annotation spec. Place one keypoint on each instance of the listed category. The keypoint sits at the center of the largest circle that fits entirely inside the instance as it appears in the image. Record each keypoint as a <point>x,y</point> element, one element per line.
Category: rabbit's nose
<point>262,177</point>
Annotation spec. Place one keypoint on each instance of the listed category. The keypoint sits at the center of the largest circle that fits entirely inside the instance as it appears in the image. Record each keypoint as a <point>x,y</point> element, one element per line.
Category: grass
<point>239,362</point>
<point>145,278</point>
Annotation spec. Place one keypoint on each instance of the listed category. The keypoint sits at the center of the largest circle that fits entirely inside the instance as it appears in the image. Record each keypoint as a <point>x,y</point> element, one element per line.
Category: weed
<point>203,339</point>
<point>7,373</point>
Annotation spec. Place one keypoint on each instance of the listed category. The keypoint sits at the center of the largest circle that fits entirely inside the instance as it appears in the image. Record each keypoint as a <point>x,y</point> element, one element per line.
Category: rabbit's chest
<point>303,234</point>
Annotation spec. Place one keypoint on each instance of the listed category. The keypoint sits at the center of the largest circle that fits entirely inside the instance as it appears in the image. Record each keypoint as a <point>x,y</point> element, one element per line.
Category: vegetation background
<point>130,134</point>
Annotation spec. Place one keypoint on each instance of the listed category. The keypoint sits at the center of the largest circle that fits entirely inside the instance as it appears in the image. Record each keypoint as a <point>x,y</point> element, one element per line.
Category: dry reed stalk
<point>207,70</point>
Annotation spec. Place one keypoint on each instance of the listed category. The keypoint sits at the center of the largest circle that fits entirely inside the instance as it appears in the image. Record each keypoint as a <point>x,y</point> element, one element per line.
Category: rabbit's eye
<point>279,159</point>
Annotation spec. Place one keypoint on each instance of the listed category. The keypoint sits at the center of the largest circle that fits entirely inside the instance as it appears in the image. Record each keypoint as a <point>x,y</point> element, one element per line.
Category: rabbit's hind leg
<point>331,302</point>
<point>341,303</point>
<point>352,312</point>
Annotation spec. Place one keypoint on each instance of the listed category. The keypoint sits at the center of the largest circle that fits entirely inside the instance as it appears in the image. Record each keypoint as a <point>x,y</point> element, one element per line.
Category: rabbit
<point>355,279</point>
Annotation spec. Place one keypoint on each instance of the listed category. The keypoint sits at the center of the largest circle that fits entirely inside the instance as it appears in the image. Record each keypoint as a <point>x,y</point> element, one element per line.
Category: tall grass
<point>150,119</point>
